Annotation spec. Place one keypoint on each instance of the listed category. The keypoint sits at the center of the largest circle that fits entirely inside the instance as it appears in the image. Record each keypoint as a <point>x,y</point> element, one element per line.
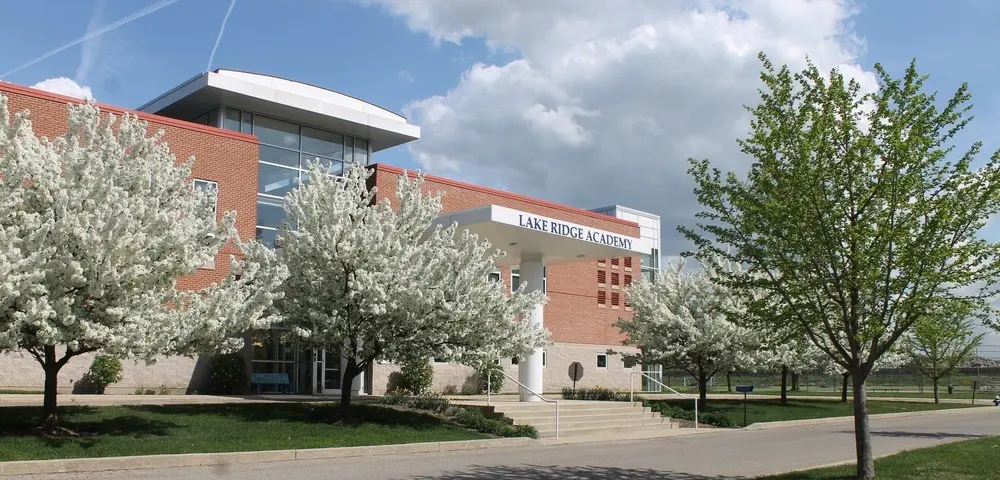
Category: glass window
<point>232,119</point>
<point>515,279</point>
<point>602,360</point>
<point>270,212</point>
<point>276,132</point>
<point>494,276</point>
<point>202,120</point>
<point>266,236</point>
<point>332,167</point>
<point>276,181</point>
<point>211,189</point>
<point>279,156</point>
<point>348,149</point>
<point>322,143</point>
<point>247,124</point>
<point>361,151</point>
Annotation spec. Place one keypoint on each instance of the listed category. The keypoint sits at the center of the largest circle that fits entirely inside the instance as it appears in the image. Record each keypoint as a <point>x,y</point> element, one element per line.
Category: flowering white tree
<point>685,319</point>
<point>95,228</point>
<point>378,281</point>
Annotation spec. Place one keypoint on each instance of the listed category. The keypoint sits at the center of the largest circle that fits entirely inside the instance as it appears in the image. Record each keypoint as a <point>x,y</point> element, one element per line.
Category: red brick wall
<point>573,314</point>
<point>221,156</point>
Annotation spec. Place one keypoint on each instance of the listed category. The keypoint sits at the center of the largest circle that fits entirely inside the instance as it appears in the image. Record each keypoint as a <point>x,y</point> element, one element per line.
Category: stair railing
<point>631,392</point>
<point>489,390</point>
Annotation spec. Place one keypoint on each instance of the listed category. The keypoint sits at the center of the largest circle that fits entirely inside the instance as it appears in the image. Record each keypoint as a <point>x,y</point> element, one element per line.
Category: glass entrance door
<point>331,372</point>
<point>328,374</point>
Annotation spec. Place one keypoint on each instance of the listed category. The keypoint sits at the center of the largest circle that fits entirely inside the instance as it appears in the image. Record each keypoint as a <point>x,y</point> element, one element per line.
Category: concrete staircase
<point>584,417</point>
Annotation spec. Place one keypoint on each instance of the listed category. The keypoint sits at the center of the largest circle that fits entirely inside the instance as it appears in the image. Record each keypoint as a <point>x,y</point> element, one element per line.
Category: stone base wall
<point>174,375</point>
<point>459,379</point>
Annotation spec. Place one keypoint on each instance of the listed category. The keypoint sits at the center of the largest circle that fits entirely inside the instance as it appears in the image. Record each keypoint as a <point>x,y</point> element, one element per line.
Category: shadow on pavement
<point>558,472</point>
<point>900,434</point>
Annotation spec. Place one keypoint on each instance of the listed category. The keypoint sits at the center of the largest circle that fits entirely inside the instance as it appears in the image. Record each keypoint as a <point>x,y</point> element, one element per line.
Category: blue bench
<point>277,379</point>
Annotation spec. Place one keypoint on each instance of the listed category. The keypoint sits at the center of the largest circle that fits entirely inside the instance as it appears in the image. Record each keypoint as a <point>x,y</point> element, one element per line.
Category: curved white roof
<point>285,99</point>
<point>311,91</point>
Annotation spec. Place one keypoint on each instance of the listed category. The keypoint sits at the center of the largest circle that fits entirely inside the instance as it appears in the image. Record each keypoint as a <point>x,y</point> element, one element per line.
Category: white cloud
<point>607,99</point>
<point>406,76</point>
<point>64,86</point>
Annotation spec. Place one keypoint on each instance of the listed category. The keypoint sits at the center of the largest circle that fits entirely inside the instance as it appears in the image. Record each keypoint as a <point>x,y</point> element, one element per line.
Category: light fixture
<point>580,256</point>
<point>513,243</point>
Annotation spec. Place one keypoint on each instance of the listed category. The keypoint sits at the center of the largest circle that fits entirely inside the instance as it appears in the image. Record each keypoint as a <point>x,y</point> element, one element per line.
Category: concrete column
<point>529,371</point>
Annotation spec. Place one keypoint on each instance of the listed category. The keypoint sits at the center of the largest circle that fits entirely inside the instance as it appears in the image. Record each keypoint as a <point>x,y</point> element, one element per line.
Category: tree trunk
<point>351,371</point>
<point>843,391</point>
<point>702,386</point>
<point>729,382</point>
<point>50,421</point>
<point>795,381</point>
<point>937,399</point>
<point>862,432</point>
<point>784,385</point>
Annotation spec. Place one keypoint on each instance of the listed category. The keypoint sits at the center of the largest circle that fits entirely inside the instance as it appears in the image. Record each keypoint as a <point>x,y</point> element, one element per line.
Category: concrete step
<point>594,416</point>
<point>574,431</point>
<point>568,409</point>
<point>584,423</point>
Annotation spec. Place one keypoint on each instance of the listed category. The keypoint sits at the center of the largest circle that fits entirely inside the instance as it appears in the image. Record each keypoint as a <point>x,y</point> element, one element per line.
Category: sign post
<point>575,373</point>
<point>975,385</point>
<point>744,390</point>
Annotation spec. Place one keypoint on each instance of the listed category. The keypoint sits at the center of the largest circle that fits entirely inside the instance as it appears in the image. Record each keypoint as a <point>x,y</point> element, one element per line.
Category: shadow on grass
<point>86,422</point>
<point>560,472</point>
<point>301,413</point>
<point>937,435</point>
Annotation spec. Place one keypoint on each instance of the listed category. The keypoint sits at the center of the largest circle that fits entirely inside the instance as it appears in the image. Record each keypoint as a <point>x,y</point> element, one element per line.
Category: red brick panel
<point>228,158</point>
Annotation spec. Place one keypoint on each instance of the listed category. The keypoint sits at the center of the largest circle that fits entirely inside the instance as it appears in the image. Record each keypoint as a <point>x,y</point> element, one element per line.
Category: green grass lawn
<point>971,459</point>
<point>963,394</point>
<point>761,410</point>
<point>146,430</point>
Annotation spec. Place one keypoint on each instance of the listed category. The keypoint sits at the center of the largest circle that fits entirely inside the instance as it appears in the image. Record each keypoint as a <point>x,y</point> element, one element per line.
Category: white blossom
<point>685,319</point>
<point>96,226</point>
<point>379,282</point>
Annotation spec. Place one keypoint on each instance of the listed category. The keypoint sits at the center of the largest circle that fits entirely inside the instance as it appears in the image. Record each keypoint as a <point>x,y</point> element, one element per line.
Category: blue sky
<point>565,100</point>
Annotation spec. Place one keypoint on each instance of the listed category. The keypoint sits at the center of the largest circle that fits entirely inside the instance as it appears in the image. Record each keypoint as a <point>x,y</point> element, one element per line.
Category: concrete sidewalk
<point>68,399</point>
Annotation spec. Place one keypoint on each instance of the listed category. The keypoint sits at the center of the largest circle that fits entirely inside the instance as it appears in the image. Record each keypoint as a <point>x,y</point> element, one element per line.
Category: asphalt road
<point>728,454</point>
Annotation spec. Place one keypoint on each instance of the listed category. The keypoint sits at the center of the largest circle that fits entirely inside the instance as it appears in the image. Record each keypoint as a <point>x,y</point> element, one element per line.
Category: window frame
<point>599,357</point>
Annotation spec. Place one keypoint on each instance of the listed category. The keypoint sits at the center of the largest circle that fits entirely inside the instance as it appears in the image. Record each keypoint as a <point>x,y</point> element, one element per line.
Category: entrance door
<point>328,374</point>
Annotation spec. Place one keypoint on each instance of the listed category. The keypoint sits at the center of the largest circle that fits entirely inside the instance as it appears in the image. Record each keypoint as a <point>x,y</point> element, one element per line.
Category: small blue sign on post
<point>744,389</point>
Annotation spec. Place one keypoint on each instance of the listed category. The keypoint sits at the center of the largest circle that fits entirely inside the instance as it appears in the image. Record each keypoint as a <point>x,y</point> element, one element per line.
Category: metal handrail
<point>631,391</point>
<point>489,390</point>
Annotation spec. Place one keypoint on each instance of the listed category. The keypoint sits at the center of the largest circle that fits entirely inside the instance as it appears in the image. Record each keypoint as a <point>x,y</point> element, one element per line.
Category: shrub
<point>416,376</point>
<point>494,373</point>
<point>104,371</point>
<point>596,393</point>
<point>229,374</point>
<point>682,413</point>
<point>450,390</point>
<point>469,417</point>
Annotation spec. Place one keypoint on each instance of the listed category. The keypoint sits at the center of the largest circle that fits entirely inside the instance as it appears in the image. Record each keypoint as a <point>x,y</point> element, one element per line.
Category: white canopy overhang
<point>525,234</point>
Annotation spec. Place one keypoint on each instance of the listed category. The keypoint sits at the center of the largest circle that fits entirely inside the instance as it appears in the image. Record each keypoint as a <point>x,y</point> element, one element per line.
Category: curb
<point>832,420</point>
<point>139,462</point>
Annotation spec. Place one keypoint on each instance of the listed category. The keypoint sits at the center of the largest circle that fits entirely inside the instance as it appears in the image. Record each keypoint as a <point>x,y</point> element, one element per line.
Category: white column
<point>529,371</point>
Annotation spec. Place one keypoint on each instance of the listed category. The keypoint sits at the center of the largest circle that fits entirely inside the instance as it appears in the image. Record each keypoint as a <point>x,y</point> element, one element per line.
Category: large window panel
<point>232,120</point>
<point>361,151</point>
<point>276,181</point>
<point>348,149</point>
<point>276,132</point>
<point>270,212</point>
<point>280,156</point>
<point>322,143</point>
<point>331,166</point>
<point>266,236</point>
<point>247,126</point>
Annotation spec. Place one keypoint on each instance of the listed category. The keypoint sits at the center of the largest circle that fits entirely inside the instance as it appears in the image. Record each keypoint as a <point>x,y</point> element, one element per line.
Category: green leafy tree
<point>937,344</point>
<point>854,214</point>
